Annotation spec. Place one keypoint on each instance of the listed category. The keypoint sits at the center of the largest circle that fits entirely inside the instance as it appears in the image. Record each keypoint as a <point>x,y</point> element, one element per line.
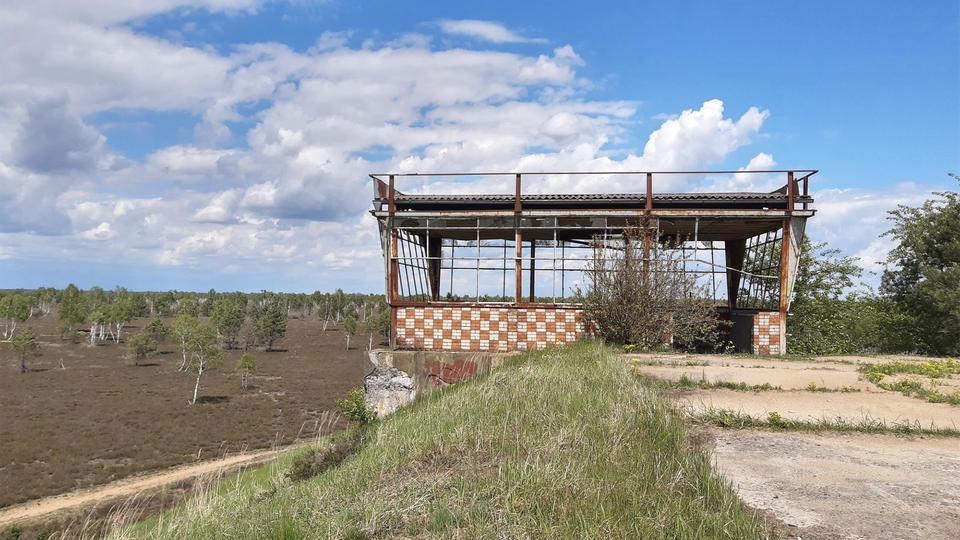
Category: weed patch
<point>687,383</point>
<point>933,370</point>
<point>728,418</point>
<point>813,387</point>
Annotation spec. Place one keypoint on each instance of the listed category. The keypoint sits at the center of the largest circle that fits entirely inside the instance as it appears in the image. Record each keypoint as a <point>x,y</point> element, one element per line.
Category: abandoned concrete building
<point>501,272</point>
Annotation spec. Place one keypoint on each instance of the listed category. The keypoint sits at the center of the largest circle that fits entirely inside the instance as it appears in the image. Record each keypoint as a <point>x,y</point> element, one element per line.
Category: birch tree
<point>14,308</point>
<point>246,366</point>
<point>350,328</point>
<point>183,329</point>
<point>203,354</point>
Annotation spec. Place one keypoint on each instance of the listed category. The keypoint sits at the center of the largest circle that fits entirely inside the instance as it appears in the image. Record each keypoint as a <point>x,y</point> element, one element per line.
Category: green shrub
<point>355,408</point>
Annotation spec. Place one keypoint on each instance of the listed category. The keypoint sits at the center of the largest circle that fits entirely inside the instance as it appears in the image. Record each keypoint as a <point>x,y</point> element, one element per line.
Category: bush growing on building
<point>646,300</point>
<point>27,347</point>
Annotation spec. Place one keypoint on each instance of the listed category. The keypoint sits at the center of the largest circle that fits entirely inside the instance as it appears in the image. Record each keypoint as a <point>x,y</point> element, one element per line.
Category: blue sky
<point>224,143</point>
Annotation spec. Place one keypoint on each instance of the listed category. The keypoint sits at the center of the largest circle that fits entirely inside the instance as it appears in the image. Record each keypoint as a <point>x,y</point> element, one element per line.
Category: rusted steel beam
<point>791,188</point>
<point>665,213</point>
<point>391,202</point>
<point>518,266</point>
<point>533,270</point>
<point>597,173</point>
<point>394,263</point>
<point>511,305</point>
<point>433,263</point>
<point>518,241</point>
<point>516,197</point>
<point>733,251</point>
<point>649,192</point>
<point>784,283</point>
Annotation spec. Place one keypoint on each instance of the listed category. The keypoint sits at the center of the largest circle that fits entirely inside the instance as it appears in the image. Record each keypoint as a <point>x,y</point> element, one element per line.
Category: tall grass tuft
<point>565,443</point>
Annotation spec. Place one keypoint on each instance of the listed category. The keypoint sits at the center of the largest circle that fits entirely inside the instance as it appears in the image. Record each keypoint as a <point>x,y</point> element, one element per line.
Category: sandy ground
<point>829,485</point>
<point>889,407</point>
<point>793,377</point>
<point>77,501</point>
<point>847,486</point>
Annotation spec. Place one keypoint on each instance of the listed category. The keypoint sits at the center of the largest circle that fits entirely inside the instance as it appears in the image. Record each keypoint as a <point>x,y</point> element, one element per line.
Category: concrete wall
<point>394,378</point>
<point>487,328</point>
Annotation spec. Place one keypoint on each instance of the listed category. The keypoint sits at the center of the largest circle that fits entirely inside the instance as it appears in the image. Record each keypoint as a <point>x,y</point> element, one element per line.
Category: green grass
<point>932,370</point>
<point>686,383</point>
<point>566,443</point>
<point>728,418</point>
<point>669,363</point>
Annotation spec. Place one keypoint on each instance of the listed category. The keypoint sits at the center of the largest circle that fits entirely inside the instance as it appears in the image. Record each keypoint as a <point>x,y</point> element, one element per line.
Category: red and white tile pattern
<point>494,329</point>
<point>767,337</point>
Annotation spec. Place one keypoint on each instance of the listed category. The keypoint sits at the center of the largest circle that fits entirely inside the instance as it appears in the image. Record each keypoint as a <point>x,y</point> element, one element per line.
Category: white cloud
<point>293,200</point>
<point>53,140</point>
<point>853,220</point>
<point>485,30</point>
<point>103,231</point>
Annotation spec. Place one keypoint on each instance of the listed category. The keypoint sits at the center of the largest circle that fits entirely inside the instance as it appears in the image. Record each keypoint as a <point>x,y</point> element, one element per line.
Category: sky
<point>197,144</point>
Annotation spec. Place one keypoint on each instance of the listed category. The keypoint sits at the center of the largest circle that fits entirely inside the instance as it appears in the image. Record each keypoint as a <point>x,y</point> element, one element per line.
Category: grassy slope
<point>560,444</point>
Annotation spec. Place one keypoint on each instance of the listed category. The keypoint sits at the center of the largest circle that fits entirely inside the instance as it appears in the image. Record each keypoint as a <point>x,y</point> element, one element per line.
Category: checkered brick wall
<point>767,337</point>
<point>494,329</point>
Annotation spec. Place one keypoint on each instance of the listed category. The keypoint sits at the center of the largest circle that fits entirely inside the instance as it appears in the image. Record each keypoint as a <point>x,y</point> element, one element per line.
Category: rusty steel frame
<point>398,242</point>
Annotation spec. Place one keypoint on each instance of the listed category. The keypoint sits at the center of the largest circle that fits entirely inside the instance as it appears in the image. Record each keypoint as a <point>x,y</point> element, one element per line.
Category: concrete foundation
<point>395,378</point>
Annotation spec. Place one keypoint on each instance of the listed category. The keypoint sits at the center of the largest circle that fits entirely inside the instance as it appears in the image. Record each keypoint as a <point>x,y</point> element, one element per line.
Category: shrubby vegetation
<point>918,305</point>
<point>640,297</point>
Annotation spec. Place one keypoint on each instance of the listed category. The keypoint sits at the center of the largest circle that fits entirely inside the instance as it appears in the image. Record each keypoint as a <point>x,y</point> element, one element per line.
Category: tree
<point>821,320</point>
<point>203,354</point>
<point>142,345</point>
<point>118,314</point>
<point>378,324</point>
<point>246,366</point>
<point>98,318</point>
<point>923,273</point>
<point>14,308</point>
<point>72,310</point>
<point>157,330</point>
<point>188,306</point>
<point>270,320</point>
<point>228,314</point>
<point>644,298</point>
<point>183,329</point>
<point>350,328</point>
<point>27,346</point>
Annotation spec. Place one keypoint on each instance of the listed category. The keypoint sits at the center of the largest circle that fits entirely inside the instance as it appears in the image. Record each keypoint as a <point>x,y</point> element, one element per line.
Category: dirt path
<point>853,397</point>
<point>830,486</point>
<point>827,485</point>
<point>80,500</point>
